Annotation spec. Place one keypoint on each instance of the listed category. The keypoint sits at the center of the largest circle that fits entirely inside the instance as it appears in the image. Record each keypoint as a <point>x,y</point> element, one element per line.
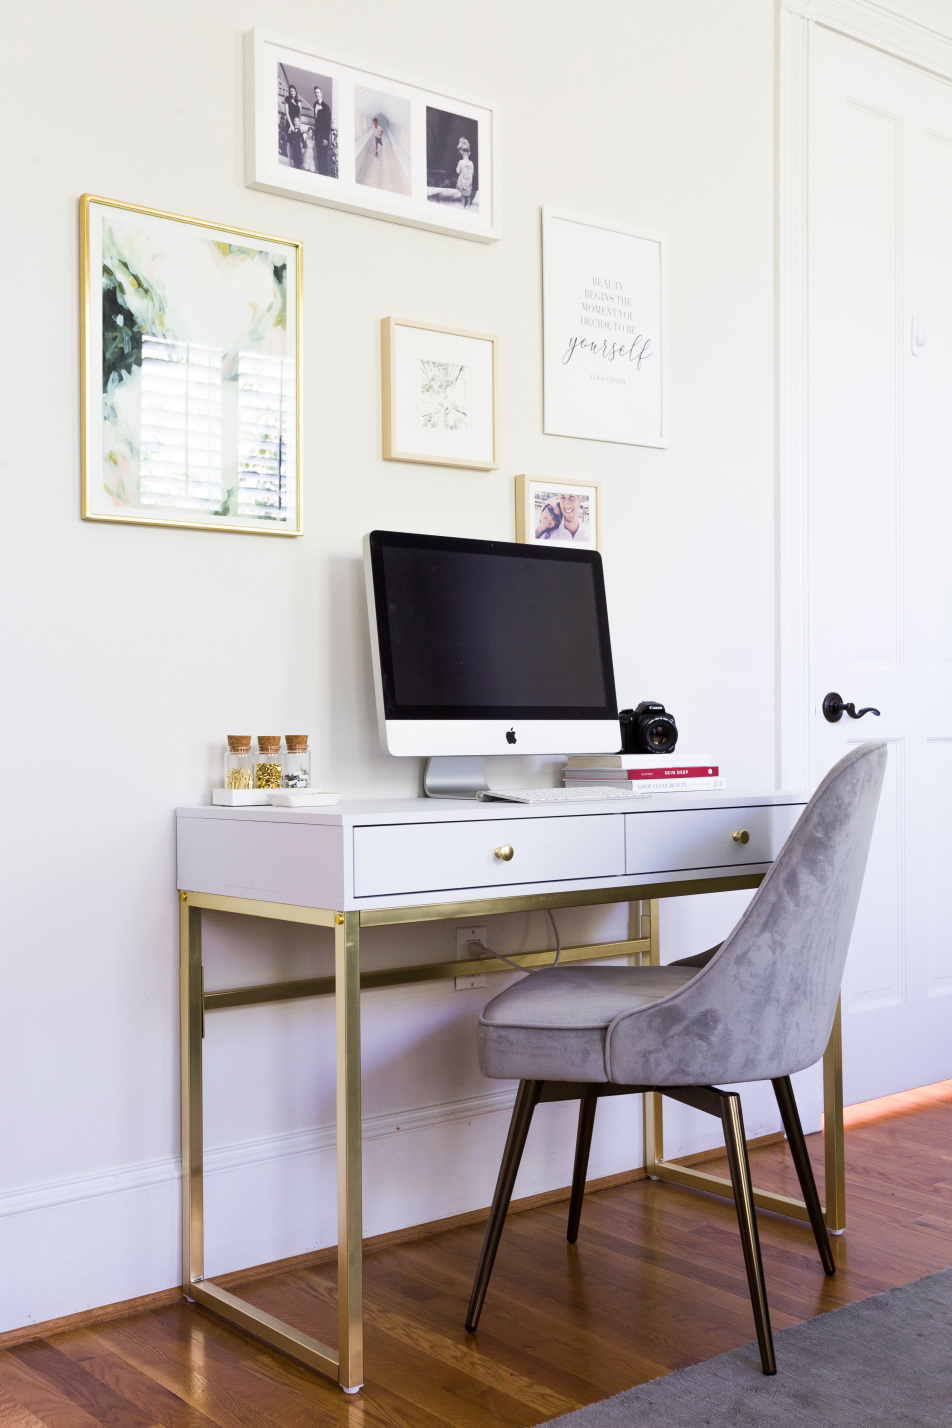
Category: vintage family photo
<point>320,130</point>
<point>382,141</point>
<point>308,127</point>
<point>452,159</point>
<point>549,512</point>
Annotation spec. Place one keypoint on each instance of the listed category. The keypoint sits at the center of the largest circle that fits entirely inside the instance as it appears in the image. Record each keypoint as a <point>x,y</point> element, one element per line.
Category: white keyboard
<point>560,795</point>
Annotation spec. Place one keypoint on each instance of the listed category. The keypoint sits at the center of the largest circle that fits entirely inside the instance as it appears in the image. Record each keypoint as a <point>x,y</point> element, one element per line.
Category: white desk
<point>374,863</point>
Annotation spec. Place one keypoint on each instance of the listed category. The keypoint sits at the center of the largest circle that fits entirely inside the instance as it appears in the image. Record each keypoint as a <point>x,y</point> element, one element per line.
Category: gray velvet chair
<point>758,1007</point>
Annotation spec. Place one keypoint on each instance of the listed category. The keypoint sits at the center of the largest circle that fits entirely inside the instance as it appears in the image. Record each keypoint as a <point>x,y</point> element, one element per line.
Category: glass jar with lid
<point>239,764</point>
<point>268,761</point>
<point>297,762</point>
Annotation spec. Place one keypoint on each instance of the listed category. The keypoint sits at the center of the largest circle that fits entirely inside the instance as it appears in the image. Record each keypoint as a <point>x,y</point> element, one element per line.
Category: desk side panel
<point>295,863</point>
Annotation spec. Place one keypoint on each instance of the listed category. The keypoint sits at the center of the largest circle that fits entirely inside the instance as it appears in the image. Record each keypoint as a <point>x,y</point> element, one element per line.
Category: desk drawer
<point>430,857</point>
<point>704,837</point>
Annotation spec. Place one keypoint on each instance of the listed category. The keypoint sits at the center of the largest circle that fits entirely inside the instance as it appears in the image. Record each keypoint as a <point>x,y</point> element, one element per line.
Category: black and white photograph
<point>452,159</point>
<point>307,125</point>
<point>320,130</point>
<point>382,140</point>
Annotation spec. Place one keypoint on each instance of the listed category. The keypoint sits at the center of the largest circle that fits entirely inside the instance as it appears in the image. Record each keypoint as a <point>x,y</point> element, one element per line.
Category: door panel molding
<point>882,28</point>
<point>930,50</point>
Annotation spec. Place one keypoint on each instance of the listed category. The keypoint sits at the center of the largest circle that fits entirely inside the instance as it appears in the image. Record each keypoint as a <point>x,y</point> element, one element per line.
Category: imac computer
<point>487,647</point>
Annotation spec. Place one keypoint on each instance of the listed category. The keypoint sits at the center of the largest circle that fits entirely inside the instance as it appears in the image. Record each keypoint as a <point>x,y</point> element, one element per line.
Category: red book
<point>667,771</point>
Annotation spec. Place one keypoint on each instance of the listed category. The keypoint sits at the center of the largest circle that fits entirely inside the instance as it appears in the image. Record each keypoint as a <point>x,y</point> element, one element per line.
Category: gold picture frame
<point>440,402</point>
<point>158,479</point>
<point>533,490</point>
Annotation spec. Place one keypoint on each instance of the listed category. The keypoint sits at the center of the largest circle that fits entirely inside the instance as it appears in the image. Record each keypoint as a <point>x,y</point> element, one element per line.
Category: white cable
<point>488,951</point>
<point>558,940</point>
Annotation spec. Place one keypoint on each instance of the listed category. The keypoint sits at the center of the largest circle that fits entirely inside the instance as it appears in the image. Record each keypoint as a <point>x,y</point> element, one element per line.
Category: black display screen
<point>472,629</point>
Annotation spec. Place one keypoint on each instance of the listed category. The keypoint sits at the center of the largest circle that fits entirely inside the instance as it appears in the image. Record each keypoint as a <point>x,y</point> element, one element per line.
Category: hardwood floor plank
<point>656,1282</point>
<point>38,1397</point>
<point>14,1415</point>
<point>153,1399</point>
<point>47,1361</point>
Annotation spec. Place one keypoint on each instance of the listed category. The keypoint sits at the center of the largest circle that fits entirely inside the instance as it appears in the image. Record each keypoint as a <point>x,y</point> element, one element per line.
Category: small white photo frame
<point>605,331</point>
<point>327,130</point>
<point>556,510</point>
<point>440,395</point>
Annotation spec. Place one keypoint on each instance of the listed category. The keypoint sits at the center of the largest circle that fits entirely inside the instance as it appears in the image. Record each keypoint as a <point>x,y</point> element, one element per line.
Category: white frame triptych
<point>411,194</point>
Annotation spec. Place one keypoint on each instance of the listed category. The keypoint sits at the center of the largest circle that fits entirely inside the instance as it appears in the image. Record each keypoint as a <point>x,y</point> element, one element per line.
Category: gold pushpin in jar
<point>268,761</point>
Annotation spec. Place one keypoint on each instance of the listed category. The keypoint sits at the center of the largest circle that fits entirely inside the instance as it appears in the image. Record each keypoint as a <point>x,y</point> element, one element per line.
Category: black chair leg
<point>733,1121</point>
<point>801,1159</point>
<point>583,1144</point>
<point>526,1101</point>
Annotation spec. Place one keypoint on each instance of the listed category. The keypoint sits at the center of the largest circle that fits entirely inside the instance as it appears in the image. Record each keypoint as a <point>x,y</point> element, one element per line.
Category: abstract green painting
<point>191,372</point>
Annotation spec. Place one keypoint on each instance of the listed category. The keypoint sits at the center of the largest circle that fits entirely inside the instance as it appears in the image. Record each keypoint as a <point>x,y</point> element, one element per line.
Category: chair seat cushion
<point>553,1025</point>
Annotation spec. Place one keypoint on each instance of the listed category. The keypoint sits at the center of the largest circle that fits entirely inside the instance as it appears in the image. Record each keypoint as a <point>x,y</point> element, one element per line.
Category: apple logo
<point>511,736</point>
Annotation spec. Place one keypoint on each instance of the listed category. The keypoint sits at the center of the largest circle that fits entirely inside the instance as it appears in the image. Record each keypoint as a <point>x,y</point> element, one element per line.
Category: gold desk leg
<point>193,1029</point>
<point>349,1192</point>
<point>834,1148</point>
<point>653,1114</point>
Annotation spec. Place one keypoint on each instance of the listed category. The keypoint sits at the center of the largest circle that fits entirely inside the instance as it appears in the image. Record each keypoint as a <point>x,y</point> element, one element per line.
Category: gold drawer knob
<point>504,854</point>
<point>742,837</point>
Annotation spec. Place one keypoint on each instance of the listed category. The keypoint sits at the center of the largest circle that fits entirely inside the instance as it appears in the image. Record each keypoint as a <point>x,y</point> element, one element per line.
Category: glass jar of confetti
<point>296,764</point>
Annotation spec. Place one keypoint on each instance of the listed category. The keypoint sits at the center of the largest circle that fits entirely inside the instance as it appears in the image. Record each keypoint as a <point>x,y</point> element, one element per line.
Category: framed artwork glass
<point>191,371</point>
<point>327,130</point>
<point>550,510</point>
<point>605,342</point>
<point>440,395</point>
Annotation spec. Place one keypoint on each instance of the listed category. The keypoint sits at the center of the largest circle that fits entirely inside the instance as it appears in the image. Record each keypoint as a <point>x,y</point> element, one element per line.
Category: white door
<point>880,528</point>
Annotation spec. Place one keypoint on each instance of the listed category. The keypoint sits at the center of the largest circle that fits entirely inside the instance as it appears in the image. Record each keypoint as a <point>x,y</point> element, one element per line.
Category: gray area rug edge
<point>883,1360</point>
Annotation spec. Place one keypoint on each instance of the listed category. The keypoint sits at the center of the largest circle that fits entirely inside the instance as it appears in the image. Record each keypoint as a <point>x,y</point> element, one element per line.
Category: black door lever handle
<point>834,708</point>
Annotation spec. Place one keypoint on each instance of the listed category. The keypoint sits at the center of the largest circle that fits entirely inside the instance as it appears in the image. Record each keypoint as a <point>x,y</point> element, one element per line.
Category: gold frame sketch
<point>440,402</point>
<point>527,496</point>
<point>177,328</point>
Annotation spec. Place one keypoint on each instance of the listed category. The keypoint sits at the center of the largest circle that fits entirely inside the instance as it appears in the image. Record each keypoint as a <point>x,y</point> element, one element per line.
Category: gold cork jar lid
<point>295,743</point>
<point>269,743</point>
<point>239,743</point>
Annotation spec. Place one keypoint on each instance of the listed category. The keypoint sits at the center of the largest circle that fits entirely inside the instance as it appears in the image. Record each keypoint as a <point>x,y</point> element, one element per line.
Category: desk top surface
<point>352,812</point>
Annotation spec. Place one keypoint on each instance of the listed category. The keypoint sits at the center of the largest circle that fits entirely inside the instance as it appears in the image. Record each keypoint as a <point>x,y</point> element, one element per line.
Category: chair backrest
<point>764,1005</point>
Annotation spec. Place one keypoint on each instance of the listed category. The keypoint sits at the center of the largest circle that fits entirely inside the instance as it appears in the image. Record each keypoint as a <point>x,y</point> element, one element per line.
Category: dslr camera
<point>649,729</point>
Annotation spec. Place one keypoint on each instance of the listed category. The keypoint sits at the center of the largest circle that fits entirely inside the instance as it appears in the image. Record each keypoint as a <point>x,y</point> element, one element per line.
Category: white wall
<point>129,651</point>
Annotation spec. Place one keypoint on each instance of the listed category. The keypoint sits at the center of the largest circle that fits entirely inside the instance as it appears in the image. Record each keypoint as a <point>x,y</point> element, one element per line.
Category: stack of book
<point>658,773</point>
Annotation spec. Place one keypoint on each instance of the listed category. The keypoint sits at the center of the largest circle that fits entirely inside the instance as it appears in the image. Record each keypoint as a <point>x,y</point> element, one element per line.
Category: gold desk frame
<point>345,1364</point>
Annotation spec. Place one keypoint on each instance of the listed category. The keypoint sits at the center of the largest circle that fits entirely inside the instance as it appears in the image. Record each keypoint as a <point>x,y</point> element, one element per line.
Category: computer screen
<point>490,631</point>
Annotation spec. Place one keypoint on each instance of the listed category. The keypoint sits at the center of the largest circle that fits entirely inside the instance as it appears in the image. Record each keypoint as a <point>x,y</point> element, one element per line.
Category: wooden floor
<point>656,1282</point>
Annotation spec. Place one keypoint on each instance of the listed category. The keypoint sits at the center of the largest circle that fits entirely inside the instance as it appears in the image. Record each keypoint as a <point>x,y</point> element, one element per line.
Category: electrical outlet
<point>464,984</point>
<point>465,935</point>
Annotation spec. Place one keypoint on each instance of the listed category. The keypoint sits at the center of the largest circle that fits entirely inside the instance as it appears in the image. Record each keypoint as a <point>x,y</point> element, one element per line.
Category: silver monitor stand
<point>455,777</point>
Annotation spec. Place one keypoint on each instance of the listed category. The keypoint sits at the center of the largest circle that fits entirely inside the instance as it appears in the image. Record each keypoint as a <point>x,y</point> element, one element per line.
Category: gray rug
<point>886,1360</point>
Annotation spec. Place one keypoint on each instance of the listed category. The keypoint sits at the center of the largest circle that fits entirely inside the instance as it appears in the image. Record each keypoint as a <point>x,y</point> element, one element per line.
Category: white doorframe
<point>928,49</point>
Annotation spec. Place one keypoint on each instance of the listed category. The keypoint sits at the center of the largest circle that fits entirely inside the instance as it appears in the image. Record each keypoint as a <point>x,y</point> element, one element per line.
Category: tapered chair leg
<point>583,1144</point>
<point>733,1122</point>
<point>801,1159</point>
<point>526,1101</point>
